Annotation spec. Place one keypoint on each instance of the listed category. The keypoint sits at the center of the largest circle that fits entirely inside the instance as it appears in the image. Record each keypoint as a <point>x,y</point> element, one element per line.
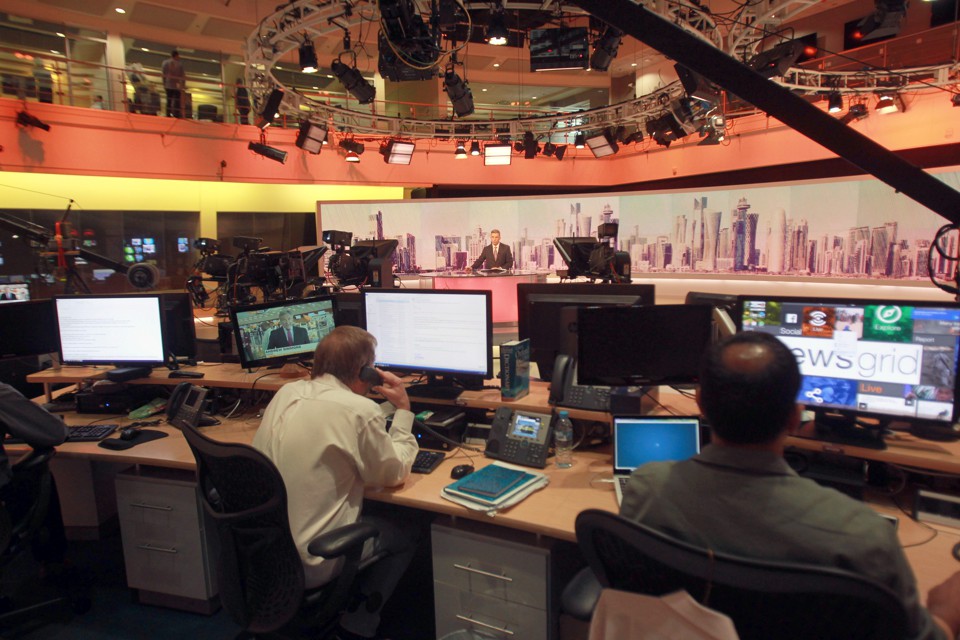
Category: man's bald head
<point>748,388</point>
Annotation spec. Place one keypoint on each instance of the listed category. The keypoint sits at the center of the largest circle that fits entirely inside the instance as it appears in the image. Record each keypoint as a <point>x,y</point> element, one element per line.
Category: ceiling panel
<point>93,7</point>
<point>227,29</point>
<point>163,17</point>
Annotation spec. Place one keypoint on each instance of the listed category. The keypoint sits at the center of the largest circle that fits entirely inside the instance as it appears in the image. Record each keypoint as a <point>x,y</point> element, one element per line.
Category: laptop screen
<point>638,440</point>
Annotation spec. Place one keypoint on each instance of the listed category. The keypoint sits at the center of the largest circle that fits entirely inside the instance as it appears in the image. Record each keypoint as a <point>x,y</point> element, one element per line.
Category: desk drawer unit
<point>493,582</point>
<point>164,541</point>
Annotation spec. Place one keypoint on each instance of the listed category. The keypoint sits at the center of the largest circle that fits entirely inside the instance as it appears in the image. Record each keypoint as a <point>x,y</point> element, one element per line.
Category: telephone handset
<point>185,407</point>
<point>520,437</point>
<point>565,392</point>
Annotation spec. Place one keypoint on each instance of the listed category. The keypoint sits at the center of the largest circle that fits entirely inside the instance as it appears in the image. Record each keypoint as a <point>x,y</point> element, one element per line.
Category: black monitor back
<point>180,332</point>
<point>29,329</point>
<point>348,309</point>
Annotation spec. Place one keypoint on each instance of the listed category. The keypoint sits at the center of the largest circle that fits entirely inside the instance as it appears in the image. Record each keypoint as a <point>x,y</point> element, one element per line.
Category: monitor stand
<point>435,389</point>
<point>844,429</point>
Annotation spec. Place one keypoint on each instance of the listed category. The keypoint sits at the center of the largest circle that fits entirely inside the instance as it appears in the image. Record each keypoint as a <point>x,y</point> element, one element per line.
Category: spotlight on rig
<point>268,152</point>
<point>270,109</point>
<point>308,58</point>
<point>354,82</point>
<point>605,49</point>
<point>459,93</point>
<point>311,137</point>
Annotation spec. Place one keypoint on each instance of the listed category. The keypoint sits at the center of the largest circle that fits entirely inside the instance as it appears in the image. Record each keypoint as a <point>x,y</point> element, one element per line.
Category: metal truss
<point>287,28</point>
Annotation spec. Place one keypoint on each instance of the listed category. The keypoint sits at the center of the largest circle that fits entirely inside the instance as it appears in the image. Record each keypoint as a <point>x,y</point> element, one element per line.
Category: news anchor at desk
<point>495,255</point>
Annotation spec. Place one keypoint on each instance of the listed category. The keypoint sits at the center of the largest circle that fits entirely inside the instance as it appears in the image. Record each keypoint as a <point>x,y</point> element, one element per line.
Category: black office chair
<point>764,599</point>
<point>22,516</point>
<point>261,575</point>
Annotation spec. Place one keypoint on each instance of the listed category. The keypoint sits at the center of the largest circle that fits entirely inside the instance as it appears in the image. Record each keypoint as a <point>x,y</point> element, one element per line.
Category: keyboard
<point>90,432</point>
<point>427,461</point>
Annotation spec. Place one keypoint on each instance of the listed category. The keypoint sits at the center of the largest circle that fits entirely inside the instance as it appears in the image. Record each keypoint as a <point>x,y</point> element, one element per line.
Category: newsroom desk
<point>549,513</point>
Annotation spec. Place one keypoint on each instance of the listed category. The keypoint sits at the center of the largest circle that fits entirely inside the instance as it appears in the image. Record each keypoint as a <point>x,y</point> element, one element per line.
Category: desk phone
<point>520,437</point>
<point>565,392</point>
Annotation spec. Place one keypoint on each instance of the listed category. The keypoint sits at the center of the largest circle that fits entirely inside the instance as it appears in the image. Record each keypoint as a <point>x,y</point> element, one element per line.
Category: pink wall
<point>91,142</point>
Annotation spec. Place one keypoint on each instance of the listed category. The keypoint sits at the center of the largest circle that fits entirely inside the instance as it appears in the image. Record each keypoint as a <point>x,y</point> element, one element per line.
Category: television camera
<point>595,259</point>
<point>366,263</point>
<point>278,275</point>
<point>62,249</point>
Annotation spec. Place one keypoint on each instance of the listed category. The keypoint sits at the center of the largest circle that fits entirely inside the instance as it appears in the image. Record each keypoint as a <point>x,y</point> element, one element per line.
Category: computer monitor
<point>30,329</point>
<point>15,292</point>
<point>110,329</point>
<point>348,309</point>
<point>274,333</point>
<point>446,335</point>
<point>651,345</point>
<point>551,333</point>
<point>892,361</point>
<point>180,331</point>
<point>724,307</point>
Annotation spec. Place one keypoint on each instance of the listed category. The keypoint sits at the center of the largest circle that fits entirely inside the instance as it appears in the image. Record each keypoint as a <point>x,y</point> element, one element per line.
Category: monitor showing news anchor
<point>276,332</point>
<point>17,292</point>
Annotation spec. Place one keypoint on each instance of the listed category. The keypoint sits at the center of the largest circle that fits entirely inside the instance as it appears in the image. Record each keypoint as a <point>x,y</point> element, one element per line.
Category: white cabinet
<point>164,539</point>
<point>498,582</point>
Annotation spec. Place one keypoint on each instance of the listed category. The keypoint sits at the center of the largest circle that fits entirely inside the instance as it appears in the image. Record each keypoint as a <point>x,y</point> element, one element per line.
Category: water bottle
<point>563,441</point>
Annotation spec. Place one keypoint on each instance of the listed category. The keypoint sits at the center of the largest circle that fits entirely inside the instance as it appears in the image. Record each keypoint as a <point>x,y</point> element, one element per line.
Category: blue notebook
<point>491,484</point>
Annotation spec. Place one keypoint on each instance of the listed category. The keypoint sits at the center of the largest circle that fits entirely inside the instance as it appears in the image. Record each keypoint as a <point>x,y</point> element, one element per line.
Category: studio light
<point>835,102</point>
<point>354,82</point>
<point>857,111</point>
<point>579,141</point>
<point>397,151</point>
<point>955,100</point>
<point>889,103</point>
<point>353,148</point>
<point>558,151</point>
<point>529,147</point>
<point>311,137</point>
<point>270,109</point>
<point>24,119</point>
<point>497,27</point>
<point>268,152</point>
<point>605,49</point>
<point>778,60</point>
<point>696,86</point>
<point>603,144</point>
<point>713,132</point>
<point>475,148</point>
<point>459,93</point>
<point>461,151</point>
<point>549,149</point>
<point>497,153</point>
<point>884,22</point>
<point>308,58</point>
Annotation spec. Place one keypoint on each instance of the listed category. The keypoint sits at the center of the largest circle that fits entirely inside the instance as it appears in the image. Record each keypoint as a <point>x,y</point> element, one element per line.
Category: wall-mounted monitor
<point>274,333</point>
<point>650,345</point>
<point>885,360</point>
<point>541,318</point>
<point>15,292</point>
<point>110,329</point>
<point>446,335</point>
<point>559,48</point>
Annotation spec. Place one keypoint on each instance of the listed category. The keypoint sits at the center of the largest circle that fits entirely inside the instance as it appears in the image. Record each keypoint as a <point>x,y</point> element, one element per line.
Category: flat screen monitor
<point>180,331</point>
<point>652,345</point>
<point>374,248</point>
<point>29,329</point>
<point>559,48</point>
<point>273,333</point>
<point>724,307</point>
<point>446,335</point>
<point>348,309</point>
<point>110,329</point>
<point>887,360</point>
<point>551,332</point>
<point>17,292</point>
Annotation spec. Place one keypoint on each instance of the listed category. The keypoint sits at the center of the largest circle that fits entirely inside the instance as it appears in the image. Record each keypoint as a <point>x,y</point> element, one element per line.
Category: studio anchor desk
<point>532,532</point>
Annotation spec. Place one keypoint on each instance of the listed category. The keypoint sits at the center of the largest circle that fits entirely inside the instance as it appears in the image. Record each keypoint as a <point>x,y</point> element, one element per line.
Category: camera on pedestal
<point>368,263</point>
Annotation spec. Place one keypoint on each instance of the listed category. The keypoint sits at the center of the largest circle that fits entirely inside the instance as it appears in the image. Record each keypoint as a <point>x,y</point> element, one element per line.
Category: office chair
<point>764,599</point>
<point>25,502</point>
<point>260,572</point>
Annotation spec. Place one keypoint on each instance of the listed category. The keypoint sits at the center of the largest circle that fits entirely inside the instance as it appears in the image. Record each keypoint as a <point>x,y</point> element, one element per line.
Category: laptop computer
<point>638,440</point>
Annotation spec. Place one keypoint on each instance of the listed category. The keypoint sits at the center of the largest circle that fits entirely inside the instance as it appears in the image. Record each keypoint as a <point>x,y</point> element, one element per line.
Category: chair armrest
<point>580,596</point>
<point>37,457</point>
<point>340,541</point>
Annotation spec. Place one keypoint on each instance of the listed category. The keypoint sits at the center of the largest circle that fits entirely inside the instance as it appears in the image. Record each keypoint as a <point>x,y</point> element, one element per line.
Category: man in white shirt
<point>329,441</point>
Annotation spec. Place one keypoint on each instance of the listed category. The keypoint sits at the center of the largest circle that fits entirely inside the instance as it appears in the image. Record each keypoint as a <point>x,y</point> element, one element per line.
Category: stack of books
<point>495,485</point>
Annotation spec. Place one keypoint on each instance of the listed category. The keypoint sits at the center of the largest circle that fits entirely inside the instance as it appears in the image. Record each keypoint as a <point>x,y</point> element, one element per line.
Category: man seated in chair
<point>329,441</point>
<point>740,496</point>
<point>35,426</point>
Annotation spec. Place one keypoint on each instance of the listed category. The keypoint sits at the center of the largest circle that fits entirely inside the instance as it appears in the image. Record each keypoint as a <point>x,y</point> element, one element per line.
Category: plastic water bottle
<point>563,441</point>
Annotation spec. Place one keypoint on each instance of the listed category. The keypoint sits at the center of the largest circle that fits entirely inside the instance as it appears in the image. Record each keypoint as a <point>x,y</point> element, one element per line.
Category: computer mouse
<point>129,434</point>
<point>461,470</point>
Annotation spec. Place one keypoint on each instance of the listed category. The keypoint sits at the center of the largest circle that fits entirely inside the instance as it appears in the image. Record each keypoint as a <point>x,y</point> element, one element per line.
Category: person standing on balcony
<point>174,82</point>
